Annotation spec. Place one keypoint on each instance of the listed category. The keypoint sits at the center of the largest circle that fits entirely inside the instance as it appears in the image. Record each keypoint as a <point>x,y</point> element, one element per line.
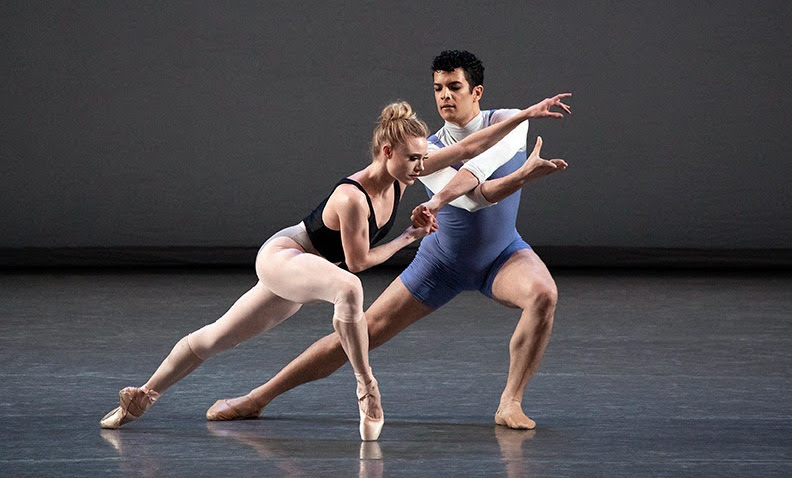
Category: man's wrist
<point>439,200</point>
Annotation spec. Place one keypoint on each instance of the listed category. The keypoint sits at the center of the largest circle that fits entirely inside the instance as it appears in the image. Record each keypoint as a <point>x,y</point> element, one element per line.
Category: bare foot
<point>234,409</point>
<point>511,415</point>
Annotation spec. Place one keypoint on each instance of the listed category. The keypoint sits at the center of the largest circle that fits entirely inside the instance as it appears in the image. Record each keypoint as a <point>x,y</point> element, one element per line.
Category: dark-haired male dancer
<point>479,250</point>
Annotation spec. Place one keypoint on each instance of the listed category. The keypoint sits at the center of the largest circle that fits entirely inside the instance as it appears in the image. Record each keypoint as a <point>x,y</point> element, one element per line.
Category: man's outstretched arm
<point>469,181</point>
<point>494,190</point>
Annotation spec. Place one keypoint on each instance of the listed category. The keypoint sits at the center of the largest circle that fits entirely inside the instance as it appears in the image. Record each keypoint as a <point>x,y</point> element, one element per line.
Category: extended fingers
<point>556,101</point>
<point>537,147</point>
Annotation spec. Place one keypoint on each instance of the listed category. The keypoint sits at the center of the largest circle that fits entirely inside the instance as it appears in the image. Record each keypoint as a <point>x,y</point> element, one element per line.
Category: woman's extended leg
<point>253,313</point>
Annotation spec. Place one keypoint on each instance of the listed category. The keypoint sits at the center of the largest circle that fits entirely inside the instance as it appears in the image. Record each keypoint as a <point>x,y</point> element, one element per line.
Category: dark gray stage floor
<point>648,374</point>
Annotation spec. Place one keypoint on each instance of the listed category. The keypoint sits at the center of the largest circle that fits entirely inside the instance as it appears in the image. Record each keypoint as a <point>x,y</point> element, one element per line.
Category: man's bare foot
<point>511,415</point>
<point>234,409</point>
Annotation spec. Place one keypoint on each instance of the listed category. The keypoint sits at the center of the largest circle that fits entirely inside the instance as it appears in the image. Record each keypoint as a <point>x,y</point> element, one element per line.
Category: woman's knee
<point>348,300</point>
<point>210,340</point>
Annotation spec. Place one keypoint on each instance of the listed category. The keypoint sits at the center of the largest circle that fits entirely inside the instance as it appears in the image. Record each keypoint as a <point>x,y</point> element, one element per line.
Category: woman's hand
<point>425,213</point>
<point>428,225</point>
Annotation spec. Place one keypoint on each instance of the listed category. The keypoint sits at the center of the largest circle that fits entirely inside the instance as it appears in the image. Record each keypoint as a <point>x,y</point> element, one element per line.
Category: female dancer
<point>299,264</point>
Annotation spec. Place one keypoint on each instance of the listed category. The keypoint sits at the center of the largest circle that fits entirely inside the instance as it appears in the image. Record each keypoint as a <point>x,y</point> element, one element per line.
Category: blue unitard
<point>469,248</point>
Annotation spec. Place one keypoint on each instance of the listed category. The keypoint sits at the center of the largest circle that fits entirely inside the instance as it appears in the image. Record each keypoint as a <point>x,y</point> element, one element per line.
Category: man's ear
<point>478,92</point>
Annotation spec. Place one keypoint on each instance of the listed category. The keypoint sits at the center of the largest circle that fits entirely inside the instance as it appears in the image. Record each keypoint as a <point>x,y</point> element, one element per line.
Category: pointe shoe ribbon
<point>233,409</point>
<point>133,402</point>
<point>370,428</point>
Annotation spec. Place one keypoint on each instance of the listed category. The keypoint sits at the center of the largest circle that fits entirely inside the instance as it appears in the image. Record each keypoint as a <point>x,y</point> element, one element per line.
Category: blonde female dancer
<point>299,264</point>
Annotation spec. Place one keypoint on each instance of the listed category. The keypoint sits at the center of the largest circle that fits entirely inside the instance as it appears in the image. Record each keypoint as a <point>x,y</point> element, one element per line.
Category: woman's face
<point>405,161</point>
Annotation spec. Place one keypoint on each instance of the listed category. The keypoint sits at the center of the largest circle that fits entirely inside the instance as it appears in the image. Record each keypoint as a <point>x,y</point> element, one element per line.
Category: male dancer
<point>480,251</point>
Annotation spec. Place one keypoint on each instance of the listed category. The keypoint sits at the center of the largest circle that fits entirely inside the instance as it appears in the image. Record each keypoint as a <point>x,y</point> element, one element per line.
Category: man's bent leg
<point>524,282</point>
<point>392,312</point>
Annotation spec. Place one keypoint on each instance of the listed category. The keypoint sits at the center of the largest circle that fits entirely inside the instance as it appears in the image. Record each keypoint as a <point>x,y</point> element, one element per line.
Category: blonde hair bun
<point>401,110</point>
<point>396,123</point>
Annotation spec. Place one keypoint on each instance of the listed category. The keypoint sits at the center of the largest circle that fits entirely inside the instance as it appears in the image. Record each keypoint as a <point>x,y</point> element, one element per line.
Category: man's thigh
<point>393,311</point>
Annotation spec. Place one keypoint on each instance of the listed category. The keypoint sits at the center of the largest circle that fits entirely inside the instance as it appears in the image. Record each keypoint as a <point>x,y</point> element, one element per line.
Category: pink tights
<point>288,277</point>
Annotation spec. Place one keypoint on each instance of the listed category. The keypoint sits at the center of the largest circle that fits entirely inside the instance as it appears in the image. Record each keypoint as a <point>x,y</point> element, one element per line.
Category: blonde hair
<point>396,123</point>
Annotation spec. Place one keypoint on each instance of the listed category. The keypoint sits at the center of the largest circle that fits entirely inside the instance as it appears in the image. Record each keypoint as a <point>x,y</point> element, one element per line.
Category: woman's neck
<point>375,178</point>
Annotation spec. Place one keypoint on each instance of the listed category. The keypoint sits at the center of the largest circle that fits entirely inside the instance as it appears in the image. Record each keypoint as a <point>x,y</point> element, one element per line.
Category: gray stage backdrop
<point>185,123</point>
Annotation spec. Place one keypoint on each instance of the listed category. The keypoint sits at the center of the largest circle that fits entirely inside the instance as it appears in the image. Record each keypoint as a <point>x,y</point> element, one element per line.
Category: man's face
<point>455,102</point>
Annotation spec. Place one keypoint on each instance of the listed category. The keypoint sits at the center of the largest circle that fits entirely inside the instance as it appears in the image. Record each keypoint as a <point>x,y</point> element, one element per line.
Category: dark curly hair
<point>449,60</point>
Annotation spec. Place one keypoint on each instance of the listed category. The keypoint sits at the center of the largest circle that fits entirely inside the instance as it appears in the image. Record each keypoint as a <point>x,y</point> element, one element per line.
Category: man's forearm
<point>462,183</point>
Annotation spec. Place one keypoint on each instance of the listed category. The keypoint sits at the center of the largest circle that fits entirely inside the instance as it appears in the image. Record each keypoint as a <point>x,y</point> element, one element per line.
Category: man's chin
<point>447,115</point>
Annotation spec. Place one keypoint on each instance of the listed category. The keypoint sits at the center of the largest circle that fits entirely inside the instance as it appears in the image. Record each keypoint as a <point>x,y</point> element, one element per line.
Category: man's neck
<point>461,131</point>
<point>466,121</point>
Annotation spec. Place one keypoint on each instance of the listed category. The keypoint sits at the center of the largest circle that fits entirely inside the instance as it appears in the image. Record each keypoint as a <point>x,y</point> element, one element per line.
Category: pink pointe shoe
<point>133,403</point>
<point>370,427</point>
<point>239,408</point>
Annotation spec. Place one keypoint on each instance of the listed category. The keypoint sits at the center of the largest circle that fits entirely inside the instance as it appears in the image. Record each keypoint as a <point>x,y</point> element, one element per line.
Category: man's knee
<point>539,304</point>
<point>539,297</point>
<point>546,297</point>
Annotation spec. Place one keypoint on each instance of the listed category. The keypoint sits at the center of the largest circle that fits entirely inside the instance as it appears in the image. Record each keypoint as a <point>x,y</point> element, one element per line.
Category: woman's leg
<point>300,277</point>
<point>256,311</point>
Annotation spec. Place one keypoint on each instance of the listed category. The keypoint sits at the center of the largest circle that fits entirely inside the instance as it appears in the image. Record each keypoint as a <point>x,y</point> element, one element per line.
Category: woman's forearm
<point>379,254</point>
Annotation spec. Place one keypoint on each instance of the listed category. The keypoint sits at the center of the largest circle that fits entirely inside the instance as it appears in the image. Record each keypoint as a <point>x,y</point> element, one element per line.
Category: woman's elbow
<point>356,266</point>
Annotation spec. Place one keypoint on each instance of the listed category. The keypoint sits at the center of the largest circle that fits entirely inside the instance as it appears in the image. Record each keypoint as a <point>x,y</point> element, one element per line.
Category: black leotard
<point>327,242</point>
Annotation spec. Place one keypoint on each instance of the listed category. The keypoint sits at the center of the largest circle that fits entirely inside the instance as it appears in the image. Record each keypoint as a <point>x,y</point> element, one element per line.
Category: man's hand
<point>536,167</point>
<point>543,108</point>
